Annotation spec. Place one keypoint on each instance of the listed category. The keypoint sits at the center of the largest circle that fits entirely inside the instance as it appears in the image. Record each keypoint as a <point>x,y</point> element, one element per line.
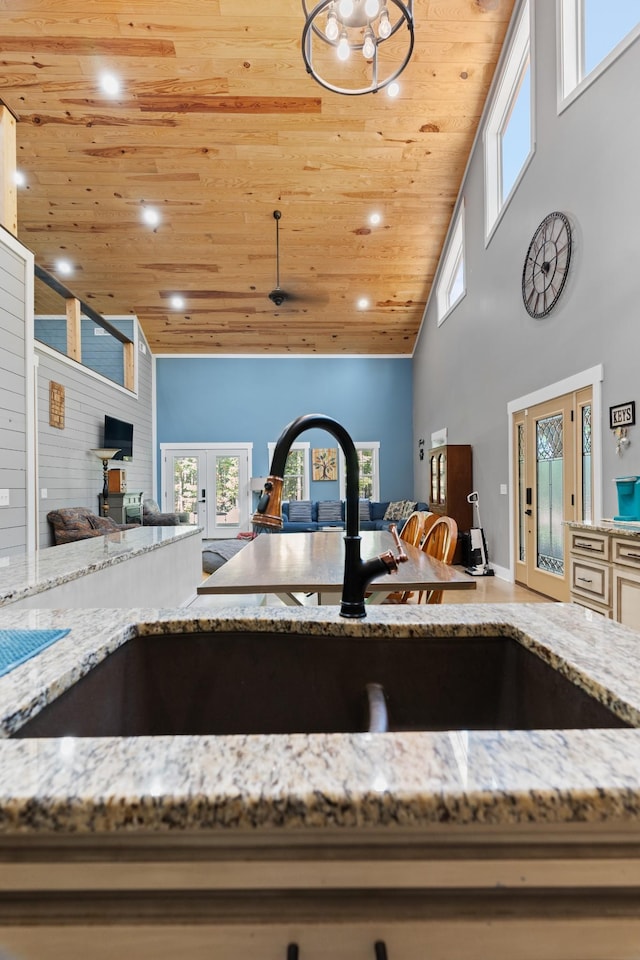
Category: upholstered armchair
<point>79,523</point>
<point>153,517</point>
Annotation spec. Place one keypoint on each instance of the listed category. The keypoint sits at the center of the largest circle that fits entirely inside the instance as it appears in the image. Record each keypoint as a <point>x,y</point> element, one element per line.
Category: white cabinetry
<point>605,570</point>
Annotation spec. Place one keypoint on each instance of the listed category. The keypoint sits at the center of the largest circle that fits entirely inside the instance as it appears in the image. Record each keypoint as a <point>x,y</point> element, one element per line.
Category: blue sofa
<point>325,513</point>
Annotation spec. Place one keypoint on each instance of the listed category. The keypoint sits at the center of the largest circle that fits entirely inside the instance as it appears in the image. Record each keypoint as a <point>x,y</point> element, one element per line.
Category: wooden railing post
<point>129,365</point>
<point>8,191</point>
<point>74,329</point>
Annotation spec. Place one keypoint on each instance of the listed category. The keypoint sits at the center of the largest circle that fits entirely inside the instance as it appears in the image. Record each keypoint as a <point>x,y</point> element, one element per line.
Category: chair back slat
<point>440,543</point>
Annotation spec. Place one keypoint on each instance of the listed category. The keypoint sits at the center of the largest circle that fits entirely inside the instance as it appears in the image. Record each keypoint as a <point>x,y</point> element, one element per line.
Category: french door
<point>553,483</point>
<point>210,483</point>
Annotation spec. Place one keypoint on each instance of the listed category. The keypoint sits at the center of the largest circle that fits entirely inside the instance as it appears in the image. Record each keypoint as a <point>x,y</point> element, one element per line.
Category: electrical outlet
<point>43,493</point>
<point>504,489</point>
<point>4,498</point>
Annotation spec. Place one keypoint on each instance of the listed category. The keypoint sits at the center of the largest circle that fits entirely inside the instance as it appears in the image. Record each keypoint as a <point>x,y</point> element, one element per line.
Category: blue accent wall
<point>220,400</point>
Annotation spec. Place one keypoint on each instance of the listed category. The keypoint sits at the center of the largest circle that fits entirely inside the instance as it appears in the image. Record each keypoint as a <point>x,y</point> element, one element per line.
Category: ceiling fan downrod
<point>277,295</point>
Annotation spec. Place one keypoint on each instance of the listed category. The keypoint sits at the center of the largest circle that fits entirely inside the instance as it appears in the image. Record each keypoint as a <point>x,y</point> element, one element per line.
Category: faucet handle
<point>401,557</point>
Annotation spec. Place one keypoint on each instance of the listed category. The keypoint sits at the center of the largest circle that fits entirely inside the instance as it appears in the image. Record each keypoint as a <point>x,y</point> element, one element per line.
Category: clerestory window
<point>508,133</point>
<point>593,33</point>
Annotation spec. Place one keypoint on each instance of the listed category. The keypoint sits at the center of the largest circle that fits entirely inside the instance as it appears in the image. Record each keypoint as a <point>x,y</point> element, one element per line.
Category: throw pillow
<point>364,510</point>
<point>300,511</point>
<point>329,511</point>
<point>399,509</point>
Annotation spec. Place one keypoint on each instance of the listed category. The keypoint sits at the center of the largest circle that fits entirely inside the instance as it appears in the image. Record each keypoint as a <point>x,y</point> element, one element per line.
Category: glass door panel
<point>227,486</point>
<point>212,485</point>
<point>550,495</point>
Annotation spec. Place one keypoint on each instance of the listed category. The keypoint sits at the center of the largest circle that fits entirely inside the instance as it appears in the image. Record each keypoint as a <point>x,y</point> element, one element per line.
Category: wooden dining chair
<point>440,543</point>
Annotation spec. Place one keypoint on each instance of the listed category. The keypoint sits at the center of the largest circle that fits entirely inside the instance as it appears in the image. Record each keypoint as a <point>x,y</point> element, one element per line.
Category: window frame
<point>518,56</point>
<point>455,248</point>
<point>572,82</point>
<point>374,446</point>
<point>305,446</point>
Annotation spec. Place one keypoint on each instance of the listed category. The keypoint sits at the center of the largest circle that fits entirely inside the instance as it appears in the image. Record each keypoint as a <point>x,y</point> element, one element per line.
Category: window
<point>451,282</point>
<point>369,477</point>
<point>296,471</point>
<point>508,138</point>
<point>593,33</point>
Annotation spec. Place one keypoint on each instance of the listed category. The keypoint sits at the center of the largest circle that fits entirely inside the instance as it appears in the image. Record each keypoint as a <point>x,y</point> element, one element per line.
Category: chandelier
<point>345,43</point>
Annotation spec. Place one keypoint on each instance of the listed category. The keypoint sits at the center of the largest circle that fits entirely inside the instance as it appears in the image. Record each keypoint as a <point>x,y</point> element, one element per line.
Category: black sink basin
<point>237,683</point>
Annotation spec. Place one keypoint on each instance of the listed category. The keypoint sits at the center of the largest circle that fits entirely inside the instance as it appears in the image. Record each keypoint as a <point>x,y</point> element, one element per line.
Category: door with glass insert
<point>552,483</point>
<point>212,485</point>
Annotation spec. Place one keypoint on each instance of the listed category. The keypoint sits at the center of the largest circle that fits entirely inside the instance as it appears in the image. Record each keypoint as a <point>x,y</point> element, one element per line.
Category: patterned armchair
<point>79,523</point>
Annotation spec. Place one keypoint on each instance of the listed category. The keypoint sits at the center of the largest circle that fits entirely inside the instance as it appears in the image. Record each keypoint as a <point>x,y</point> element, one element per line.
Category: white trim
<point>571,80</point>
<point>503,97</point>
<point>157,494</point>
<point>305,446</point>
<point>454,255</point>
<point>361,445</point>
<point>281,356</point>
<point>593,378</point>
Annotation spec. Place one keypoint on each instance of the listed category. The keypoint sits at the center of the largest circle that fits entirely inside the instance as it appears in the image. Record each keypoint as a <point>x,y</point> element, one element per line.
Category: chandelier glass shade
<point>357,46</point>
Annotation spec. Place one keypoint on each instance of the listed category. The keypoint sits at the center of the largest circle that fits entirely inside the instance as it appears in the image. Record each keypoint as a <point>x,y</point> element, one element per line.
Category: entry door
<point>211,485</point>
<point>553,484</point>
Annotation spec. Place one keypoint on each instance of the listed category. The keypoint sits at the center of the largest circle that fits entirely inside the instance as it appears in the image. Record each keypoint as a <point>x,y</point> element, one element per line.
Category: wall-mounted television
<point>118,434</point>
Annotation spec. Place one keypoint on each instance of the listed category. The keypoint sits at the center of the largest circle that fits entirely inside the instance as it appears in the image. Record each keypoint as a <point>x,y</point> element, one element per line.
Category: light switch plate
<point>43,493</point>
<point>503,489</point>
<point>4,498</point>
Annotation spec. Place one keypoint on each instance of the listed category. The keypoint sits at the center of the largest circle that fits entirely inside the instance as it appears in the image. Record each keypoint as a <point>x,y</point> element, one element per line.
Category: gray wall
<point>66,469</point>
<point>13,440</point>
<point>70,473</point>
<point>489,351</point>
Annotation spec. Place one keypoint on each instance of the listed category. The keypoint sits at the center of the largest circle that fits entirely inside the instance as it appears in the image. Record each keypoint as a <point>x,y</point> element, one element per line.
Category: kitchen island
<point>518,843</point>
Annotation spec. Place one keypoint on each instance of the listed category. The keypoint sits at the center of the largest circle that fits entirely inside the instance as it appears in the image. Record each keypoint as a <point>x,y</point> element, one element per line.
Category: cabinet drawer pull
<point>584,579</point>
<point>585,546</point>
<point>634,556</point>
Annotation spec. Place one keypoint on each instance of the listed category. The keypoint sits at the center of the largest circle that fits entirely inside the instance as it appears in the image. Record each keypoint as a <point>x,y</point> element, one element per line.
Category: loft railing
<point>75,310</point>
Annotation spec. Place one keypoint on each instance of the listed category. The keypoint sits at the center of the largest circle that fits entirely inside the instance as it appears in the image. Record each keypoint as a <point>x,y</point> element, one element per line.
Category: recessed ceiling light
<point>393,89</point>
<point>177,302</point>
<point>110,84</point>
<point>19,178</point>
<point>150,216</point>
<point>375,219</point>
<point>363,303</point>
<point>64,267</point>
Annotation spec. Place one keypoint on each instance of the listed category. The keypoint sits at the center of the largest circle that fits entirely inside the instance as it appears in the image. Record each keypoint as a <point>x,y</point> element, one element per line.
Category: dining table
<point>296,566</point>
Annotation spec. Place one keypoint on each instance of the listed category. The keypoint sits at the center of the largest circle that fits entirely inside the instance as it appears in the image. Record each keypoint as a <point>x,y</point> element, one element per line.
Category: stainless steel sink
<point>274,683</point>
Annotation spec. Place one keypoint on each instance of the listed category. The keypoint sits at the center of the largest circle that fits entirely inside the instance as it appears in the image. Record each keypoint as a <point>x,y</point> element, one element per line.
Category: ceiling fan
<point>278,296</point>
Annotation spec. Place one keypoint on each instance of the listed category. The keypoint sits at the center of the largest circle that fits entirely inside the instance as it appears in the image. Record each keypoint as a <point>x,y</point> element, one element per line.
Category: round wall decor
<point>546,265</point>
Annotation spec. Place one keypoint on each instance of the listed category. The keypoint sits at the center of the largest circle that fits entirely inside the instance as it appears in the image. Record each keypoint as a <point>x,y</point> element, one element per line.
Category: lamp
<point>105,454</point>
<point>344,43</point>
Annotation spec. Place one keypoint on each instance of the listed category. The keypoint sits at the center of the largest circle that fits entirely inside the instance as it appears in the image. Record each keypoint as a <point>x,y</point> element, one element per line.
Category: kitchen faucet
<point>268,516</point>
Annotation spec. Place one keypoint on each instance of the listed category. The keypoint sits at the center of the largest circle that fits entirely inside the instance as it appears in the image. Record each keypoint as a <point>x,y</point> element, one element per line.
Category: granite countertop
<point>312,782</point>
<point>32,573</point>
<point>621,528</point>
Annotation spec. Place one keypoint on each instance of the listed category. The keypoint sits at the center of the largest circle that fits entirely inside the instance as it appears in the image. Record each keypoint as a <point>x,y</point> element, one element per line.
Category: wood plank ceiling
<point>217,125</point>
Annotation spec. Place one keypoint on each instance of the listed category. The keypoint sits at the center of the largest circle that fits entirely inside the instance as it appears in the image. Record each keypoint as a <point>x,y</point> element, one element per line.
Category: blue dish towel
<point>16,646</point>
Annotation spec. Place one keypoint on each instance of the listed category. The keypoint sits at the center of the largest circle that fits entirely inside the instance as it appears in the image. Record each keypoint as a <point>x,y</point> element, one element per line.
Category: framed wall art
<point>324,462</point>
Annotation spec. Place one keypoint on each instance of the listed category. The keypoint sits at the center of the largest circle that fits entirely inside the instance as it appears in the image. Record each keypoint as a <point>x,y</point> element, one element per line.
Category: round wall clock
<point>546,265</point>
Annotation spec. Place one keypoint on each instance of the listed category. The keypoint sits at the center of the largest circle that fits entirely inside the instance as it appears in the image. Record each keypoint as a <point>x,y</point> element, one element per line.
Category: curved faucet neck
<point>320,421</point>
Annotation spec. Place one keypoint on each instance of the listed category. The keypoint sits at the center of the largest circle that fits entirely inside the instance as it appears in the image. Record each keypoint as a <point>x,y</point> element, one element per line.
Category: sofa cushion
<point>399,509</point>
<point>378,509</point>
<point>329,511</point>
<point>364,510</point>
<point>300,511</point>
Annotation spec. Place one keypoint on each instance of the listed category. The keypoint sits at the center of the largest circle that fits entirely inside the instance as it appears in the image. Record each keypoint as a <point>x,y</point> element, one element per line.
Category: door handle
<point>529,513</point>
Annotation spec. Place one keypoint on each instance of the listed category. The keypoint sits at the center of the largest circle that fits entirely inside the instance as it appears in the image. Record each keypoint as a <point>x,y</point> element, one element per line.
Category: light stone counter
<point>621,528</point>
<point>314,782</point>
<point>88,572</point>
